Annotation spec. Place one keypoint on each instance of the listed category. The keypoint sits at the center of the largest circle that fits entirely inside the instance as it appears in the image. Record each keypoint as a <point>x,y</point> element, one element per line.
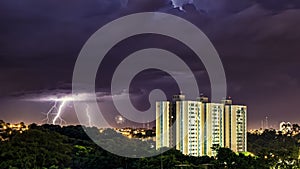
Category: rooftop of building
<point>204,99</point>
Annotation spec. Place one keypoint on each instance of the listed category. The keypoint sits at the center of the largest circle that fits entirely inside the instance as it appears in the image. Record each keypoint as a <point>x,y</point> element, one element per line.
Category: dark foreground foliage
<point>55,147</point>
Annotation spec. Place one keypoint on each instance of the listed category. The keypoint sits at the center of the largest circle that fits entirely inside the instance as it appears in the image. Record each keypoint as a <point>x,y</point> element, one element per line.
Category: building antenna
<point>267,124</point>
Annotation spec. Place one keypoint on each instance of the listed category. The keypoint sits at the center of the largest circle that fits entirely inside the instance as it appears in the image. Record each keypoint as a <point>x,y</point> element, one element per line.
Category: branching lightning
<point>48,114</point>
<point>60,103</point>
<point>57,109</point>
<point>59,112</point>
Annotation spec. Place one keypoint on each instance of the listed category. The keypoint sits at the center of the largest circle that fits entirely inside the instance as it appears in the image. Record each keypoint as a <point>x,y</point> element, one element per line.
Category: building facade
<point>195,127</point>
<point>236,127</point>
<point>162,124</point>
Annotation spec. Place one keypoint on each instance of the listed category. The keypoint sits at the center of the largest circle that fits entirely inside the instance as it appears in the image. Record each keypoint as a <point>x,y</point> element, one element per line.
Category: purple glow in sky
<point>258,42</point>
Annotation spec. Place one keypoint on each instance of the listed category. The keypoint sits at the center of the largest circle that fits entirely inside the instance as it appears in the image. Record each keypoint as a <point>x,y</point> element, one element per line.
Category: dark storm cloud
<point>146,5</point>
<point>257,40</point>
<point>40,27</point>
<point>258,44</point>
<point>36,36</point>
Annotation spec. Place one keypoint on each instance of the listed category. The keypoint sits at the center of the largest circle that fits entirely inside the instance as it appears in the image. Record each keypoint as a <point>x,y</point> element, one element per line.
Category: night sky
<point>258,42</point>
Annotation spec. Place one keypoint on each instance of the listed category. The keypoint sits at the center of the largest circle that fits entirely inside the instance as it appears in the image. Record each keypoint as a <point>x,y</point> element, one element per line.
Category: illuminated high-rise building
<point>195,127</point>
<point>236,127</point>
<point>163,124</point>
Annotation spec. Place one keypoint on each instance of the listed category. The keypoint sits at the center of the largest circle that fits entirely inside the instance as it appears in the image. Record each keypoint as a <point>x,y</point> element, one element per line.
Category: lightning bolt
<point>88,115</point>
<point>57,109</point>
<point>60,103</point>
<point>59,112</point>
<point>48,114</point>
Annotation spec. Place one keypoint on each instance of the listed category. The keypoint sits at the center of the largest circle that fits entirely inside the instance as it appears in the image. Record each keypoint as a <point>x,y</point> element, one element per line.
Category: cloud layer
<point>258,42</point>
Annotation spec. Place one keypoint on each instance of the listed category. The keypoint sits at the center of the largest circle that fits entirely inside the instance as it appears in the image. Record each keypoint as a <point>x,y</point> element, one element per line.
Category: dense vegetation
<point>55,147</point>
<point>278,150</point>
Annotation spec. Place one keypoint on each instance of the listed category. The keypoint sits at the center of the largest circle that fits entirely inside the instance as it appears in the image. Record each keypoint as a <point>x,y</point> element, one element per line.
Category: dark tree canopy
<point>56,147</point>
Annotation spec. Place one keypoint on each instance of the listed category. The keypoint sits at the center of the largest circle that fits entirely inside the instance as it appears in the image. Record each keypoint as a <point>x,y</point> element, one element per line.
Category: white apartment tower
<point>195,127</point>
